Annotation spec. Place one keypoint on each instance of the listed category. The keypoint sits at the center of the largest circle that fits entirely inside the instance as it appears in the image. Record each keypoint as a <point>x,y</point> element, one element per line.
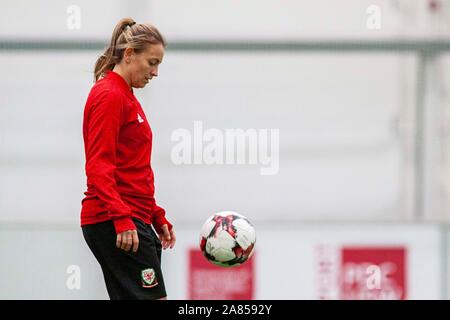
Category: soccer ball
<point>227,239</point>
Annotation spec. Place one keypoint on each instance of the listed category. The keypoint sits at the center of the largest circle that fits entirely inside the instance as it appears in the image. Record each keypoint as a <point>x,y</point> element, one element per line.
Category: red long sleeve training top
<point>118,145</point>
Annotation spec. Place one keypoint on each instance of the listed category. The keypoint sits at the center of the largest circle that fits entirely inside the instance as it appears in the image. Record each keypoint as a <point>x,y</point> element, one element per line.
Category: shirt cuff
<point>124,224</point>
<point>159,222</point>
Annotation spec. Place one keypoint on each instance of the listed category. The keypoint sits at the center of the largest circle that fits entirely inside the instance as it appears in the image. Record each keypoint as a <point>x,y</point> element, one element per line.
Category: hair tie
<point>128,25</point>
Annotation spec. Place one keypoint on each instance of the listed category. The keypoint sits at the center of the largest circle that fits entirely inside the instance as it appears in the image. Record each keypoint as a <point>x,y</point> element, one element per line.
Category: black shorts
<point>128,275</point>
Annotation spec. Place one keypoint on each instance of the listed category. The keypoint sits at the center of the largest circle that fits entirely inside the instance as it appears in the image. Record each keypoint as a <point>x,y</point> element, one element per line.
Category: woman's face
<point>143,66</point>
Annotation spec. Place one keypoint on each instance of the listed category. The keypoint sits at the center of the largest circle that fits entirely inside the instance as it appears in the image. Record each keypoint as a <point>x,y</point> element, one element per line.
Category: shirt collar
<point>117,78</point>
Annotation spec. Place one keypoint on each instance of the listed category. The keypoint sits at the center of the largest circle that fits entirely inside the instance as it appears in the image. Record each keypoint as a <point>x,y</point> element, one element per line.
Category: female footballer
<point>119,208</point>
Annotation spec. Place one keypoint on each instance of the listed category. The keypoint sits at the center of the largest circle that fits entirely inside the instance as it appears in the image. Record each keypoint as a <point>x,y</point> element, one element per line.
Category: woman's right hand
<point>127,240</point>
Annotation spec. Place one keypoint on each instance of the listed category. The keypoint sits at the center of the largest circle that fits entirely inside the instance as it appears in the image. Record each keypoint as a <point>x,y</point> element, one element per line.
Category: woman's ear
<point>128,54</point>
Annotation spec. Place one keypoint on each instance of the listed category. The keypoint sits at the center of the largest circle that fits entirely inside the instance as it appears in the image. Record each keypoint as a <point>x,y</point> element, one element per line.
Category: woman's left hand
<point>167,237</point>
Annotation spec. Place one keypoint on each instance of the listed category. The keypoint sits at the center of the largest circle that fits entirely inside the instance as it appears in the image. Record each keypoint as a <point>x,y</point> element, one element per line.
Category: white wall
<point>340,157</point>
<point>219,19</point>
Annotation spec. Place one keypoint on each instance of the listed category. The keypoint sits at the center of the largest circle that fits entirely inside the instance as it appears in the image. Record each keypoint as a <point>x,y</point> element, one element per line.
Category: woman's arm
<point>104,121</point>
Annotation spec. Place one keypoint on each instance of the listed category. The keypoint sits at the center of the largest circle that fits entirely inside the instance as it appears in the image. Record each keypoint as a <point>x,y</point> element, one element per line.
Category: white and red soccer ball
<point>227,239</point>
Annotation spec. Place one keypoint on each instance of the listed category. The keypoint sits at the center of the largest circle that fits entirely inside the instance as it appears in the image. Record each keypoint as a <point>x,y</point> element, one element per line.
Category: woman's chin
<point>141,85</point>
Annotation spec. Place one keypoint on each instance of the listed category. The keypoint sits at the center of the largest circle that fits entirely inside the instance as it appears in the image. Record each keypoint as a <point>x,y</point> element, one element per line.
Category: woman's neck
<point>117,69</point>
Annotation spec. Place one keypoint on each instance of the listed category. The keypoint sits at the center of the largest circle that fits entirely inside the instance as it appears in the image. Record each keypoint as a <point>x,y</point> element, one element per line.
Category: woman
<point>119,207</point>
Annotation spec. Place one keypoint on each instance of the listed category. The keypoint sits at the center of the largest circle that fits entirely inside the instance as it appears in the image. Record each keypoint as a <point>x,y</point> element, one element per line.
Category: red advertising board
<point>361,272</point>
<point>210,282</point>
<point>375,273</point>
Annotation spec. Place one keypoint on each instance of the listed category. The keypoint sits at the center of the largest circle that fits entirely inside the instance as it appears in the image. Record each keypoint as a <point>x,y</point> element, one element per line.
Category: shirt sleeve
<point>102,138</point>
<point>159,218</point>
